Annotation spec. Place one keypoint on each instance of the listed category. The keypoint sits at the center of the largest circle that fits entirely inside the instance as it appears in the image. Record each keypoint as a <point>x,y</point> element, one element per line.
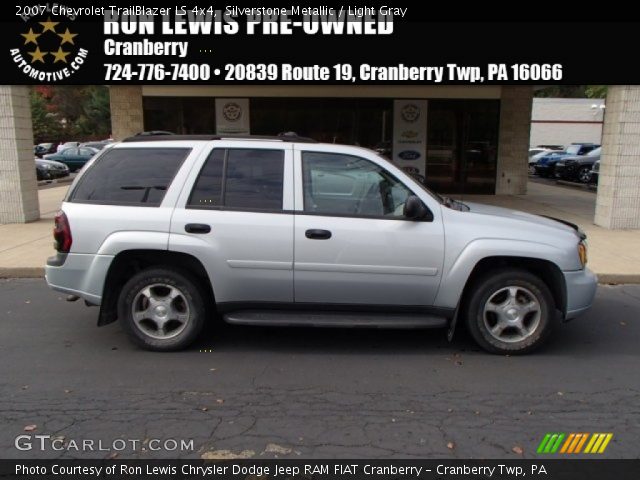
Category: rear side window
<point>242,178</point>
<point>130,176</point>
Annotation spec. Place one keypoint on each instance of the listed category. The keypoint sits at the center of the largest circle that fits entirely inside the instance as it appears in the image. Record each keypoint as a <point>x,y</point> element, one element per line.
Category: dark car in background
<point>577,168</point>
<point>74,157</point>
<point>50,170</point>
<point>546,165</point>
<point>43,149</point>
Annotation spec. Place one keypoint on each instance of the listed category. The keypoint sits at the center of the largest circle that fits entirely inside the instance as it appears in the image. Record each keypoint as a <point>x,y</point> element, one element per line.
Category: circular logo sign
<point>232,112</point>
<point>409,155</point>
<point>48,46</point>
<point>410,112</point>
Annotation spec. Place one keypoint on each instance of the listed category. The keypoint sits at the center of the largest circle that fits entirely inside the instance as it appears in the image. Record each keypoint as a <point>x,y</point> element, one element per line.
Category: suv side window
<point>130,176</point>
<point>240,178</point>
<point>337,184</point>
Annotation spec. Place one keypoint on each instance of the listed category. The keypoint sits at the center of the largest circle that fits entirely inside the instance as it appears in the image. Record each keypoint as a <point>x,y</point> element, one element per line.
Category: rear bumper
<point>79,274</point>
<point>581,288</point>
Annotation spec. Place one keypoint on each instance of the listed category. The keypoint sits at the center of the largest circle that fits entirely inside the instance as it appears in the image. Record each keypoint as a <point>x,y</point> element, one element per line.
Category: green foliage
<point>572,91</point>
<point>596,91</point>
<point>46,126</point>
<point>66,113</point>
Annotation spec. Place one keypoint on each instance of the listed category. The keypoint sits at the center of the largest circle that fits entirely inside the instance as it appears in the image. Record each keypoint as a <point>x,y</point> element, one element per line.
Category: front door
<point>353,245</point>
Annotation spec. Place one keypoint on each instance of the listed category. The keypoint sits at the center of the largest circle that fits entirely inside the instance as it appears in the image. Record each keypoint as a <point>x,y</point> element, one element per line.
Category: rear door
<point>235,215</point>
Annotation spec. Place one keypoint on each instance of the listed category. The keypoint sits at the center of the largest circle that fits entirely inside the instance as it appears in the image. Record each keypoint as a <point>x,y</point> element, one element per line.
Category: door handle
<point>317,234</point>
<point>197,228</point>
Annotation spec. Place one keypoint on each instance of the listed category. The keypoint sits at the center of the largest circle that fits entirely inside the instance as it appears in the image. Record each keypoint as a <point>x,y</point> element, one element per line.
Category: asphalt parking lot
<point>259,392</point>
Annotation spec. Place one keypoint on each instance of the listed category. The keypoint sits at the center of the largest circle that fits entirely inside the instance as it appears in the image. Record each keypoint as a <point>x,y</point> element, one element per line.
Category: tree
<point>46,126</point>
<point>572,91</point>
<point>596,91</point>
<point>71,113</point>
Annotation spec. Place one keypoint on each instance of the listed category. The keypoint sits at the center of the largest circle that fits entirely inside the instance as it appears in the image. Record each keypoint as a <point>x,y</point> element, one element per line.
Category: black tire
<point>584,175</point>
<point>489,287</point>
<point>191,301</point>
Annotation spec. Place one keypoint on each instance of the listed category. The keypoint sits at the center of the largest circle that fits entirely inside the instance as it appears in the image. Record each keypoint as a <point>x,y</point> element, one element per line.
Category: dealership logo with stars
<point>48,49</point>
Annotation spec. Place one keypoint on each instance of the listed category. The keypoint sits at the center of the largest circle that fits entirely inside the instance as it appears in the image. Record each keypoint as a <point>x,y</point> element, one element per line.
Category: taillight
<point>62,233</point>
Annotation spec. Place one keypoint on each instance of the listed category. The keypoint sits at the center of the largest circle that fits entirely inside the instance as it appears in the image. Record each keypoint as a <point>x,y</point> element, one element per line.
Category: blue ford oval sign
<point>409,155</point>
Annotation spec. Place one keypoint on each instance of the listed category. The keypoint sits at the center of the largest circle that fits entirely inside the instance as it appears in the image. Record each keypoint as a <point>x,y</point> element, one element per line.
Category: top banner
<point>218,44</point>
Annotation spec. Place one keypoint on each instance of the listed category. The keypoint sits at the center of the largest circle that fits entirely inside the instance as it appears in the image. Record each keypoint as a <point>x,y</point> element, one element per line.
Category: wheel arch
<point>546,270</point>
<point>128,262</point>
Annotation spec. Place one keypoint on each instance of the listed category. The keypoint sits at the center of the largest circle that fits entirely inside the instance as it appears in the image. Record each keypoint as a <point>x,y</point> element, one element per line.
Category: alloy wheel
<point>512,314</point>
<point>160,311</point>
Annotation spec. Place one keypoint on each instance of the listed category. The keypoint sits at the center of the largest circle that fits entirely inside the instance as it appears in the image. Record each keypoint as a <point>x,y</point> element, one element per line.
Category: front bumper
<point>544,169</point>
<point>581,288</point>
<point>79,274</point>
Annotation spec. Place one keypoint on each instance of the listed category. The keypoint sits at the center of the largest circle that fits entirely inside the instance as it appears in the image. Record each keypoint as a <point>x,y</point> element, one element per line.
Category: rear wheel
<point>162,309</point>
<point>510,312</point>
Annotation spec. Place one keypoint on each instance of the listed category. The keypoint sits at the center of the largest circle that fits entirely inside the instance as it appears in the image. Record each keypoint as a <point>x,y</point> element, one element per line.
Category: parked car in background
<point>50,170</point>
<point>546,166</point>
<point>543,148</point>
<point>595,172</point>
<point>541,152</point>
<point>73,157</point>
<point>578,168</point>
<point>551,147</point>
<point>65,145</point>
<point>43,149</point>
<point>97,145</point>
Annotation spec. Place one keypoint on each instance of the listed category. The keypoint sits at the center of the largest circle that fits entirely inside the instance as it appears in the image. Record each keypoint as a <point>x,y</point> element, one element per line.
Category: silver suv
<point>165,233</point>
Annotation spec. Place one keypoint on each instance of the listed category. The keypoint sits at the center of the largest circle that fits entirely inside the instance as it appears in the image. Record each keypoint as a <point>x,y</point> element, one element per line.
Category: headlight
<point>582,252</point>
<point>46,166</point>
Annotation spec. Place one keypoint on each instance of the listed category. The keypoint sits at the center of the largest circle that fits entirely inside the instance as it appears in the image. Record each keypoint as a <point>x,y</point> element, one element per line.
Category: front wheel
<point>510,312</point>
<point>584,174</point>
<point>162,309</point>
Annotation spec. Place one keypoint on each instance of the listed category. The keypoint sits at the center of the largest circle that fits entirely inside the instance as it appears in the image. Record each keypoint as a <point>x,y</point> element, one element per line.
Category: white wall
<point>561,121</point>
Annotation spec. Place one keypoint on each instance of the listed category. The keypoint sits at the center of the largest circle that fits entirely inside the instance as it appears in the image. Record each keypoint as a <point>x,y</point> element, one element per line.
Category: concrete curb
<point>22,272</point>
<point>603,278</point>
<point>618,278</point>
<point>579,186</point>
<point>57,181</point>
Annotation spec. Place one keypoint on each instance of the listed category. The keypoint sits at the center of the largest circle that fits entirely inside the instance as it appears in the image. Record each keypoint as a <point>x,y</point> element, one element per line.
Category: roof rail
<point>284,137</point>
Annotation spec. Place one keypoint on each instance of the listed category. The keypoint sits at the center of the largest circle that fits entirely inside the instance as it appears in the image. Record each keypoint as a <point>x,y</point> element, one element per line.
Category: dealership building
<point>461,139</point>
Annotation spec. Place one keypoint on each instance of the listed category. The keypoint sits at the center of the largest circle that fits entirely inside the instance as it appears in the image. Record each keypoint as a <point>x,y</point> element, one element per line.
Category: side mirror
<point>414,209</point>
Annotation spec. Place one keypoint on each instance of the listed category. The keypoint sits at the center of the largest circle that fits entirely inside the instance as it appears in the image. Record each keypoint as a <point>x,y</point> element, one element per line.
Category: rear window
<point>130,176</point>
<point>242,178</point>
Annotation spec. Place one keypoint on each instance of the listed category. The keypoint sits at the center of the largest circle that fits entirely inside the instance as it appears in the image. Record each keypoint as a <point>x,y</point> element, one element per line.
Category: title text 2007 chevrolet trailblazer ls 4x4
<point>165,232</point>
